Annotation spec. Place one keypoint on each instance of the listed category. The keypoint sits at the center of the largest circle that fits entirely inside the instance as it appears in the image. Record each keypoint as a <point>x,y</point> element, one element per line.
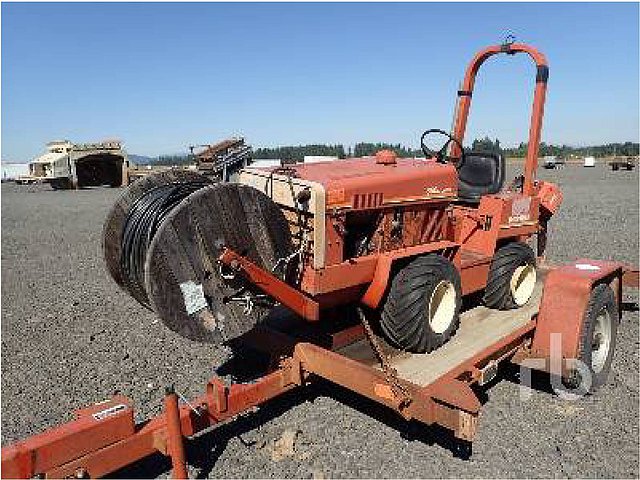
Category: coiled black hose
<point>144,217</point>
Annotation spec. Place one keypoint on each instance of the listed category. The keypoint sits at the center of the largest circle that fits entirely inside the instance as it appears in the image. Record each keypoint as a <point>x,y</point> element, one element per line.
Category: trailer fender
<point>564,302</point>
<point>378,286</point>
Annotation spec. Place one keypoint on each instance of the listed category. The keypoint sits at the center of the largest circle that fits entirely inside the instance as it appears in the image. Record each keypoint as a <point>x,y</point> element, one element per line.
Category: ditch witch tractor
<point>371,258</point>
<point>404,238</point>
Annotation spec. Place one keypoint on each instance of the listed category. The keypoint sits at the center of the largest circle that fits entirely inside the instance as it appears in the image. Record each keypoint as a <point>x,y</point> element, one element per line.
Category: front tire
<point>422,309</point>
<point>512,277</point>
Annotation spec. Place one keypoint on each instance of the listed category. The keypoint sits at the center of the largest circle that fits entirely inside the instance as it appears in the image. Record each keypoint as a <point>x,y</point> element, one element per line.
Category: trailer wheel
<point>422,310</point>
<point>597,340</point>
<point>512,277</point>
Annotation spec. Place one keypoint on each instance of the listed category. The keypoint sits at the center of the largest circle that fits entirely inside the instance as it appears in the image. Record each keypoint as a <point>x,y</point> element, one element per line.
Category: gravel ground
<point>70,337</point>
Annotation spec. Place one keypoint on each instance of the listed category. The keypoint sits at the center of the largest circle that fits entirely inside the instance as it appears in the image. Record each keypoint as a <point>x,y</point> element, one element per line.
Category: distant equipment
<point>552,162</point>
<point>67,165</point>
<point>589,161</point>
<point>622,164</point>
<point>223,159</point>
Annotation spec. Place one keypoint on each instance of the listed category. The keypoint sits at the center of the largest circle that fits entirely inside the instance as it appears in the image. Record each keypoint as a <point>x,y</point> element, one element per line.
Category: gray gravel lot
<point>70,337</point>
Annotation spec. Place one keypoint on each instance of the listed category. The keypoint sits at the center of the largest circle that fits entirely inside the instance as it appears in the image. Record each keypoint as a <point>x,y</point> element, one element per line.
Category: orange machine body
<point>356,218</point>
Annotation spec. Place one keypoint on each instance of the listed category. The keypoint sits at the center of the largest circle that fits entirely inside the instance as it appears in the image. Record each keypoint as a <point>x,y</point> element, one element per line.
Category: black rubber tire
<point>507,259</point>
<point>602,298</point>
<point>404,319</point>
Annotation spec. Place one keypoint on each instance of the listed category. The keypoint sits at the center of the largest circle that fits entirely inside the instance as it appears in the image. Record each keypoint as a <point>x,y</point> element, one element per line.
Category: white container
<point>589,162</point>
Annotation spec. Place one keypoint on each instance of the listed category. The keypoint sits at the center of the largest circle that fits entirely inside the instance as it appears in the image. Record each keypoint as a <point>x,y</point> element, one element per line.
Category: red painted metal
<point>97,446</point>
<point>346,336</point>
<point>397,182</point>
<point>630,276</point>
<point>94,428</point>
<point>411,205</point>
<point>281,291</point>
<point>353,272</point>
<point>386,157</point>
<point>550,196</point>
<point>464,103</point>
<point>376,289</point>
<point>175,441</point>
<point>564,301</point>
<point>70,450</point>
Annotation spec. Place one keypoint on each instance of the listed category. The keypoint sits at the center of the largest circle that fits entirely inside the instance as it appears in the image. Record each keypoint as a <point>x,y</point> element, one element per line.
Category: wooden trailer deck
<point>480,328</point>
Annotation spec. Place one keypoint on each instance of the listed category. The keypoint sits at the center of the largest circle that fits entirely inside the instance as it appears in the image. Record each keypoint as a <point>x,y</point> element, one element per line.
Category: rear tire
<point>422,309</point>
<point>512,277</point>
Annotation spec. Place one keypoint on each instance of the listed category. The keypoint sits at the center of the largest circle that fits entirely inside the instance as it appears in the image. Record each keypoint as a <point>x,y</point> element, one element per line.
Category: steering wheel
<point>441,155</point>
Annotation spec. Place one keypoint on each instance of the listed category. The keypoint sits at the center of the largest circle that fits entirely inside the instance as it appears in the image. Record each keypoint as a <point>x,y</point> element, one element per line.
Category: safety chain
<point>390,373</point>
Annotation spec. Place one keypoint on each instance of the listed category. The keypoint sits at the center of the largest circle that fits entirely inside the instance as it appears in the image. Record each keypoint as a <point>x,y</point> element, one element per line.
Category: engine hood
<point>365,183</point>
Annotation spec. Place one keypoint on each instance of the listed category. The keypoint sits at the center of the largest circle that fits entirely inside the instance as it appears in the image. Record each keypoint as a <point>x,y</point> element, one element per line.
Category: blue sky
<point>162,76</point>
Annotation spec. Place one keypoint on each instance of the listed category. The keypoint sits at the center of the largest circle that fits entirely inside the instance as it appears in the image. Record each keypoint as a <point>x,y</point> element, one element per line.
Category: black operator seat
<point>480,174</point>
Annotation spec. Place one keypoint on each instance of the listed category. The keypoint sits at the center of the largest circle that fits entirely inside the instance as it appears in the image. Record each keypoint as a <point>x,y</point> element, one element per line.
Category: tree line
<point>168,160</point>
<point>297,153</point>
<point>290,154</point>
<point>481,144</point>
<point>606,150</point>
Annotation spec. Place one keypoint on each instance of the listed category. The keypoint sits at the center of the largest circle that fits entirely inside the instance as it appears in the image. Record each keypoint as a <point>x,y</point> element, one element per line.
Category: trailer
<point>552,162</point>
<point>409,283</point>
<point>622,164</point>
<point>438,388</point>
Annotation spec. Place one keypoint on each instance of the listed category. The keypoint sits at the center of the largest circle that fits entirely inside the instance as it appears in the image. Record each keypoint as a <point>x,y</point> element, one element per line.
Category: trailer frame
<point>104,438</point>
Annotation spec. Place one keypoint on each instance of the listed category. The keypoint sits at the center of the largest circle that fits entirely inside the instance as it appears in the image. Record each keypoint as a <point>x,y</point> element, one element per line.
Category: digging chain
<point>390,374</point>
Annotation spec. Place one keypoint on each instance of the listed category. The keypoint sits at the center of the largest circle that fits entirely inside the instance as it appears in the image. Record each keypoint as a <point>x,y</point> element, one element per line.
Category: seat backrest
<point>480,174</point>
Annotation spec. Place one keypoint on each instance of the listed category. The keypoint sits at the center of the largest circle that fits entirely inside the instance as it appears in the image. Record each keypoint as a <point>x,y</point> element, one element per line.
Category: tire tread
<point>403,320</point>
<point>497,293</point>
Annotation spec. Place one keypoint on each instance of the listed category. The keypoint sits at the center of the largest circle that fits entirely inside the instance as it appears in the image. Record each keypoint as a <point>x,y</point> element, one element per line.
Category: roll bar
<point>463,103</point>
